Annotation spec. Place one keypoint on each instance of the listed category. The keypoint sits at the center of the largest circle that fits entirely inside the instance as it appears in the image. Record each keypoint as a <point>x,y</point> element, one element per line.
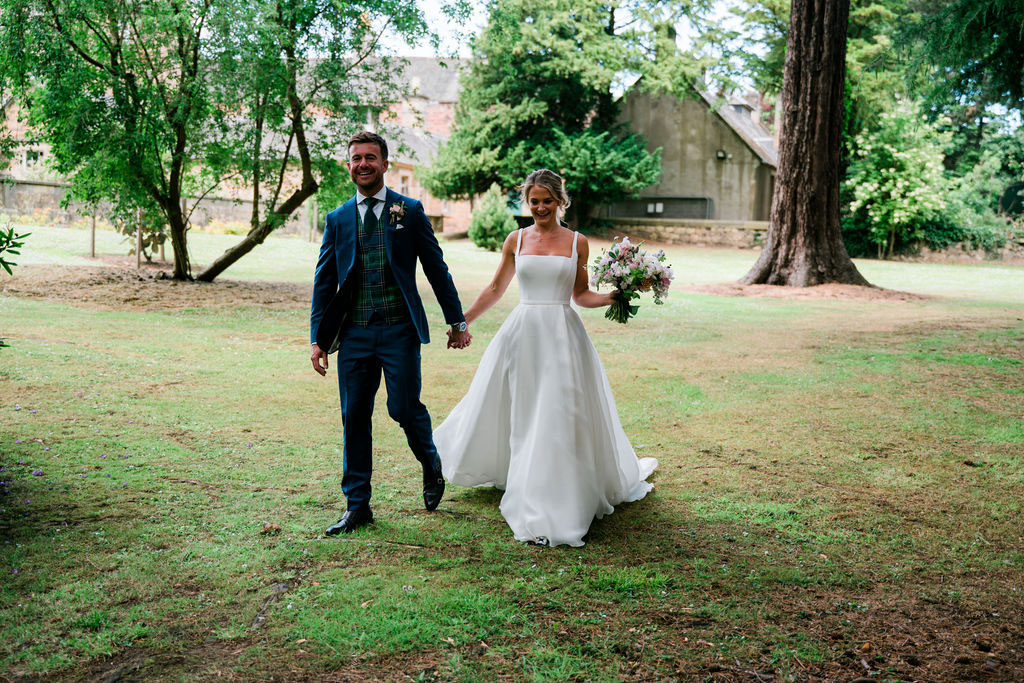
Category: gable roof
<point>420,145</point>
<point>757,137</point>
<point>434,79</point>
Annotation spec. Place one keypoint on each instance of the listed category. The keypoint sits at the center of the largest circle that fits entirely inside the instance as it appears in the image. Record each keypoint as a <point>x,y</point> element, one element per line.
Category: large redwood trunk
<point>804,245</point>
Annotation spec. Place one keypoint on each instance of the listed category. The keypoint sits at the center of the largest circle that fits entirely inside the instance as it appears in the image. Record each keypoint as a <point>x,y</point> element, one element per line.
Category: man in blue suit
<point>365,304</point>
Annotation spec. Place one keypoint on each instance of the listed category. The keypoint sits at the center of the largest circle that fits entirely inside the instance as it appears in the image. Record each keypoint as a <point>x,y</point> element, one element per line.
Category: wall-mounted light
<point>720,154</point>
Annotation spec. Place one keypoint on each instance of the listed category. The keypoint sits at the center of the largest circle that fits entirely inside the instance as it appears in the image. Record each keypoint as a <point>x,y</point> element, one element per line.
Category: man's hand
<point>459,340</point>
<point>316,356</point>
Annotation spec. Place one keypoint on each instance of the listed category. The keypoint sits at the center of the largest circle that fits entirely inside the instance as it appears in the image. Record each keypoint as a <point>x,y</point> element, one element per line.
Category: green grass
<point>830,474</point>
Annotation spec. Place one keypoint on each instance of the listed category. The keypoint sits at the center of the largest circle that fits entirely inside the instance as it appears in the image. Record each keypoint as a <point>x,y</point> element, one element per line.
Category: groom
<point>365,305</point>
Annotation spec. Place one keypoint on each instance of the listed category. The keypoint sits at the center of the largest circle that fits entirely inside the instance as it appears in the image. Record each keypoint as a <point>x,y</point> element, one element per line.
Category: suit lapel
<point>347,237</point>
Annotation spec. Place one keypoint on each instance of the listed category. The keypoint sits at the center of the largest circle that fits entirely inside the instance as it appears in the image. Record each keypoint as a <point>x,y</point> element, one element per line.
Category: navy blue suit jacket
<point>406,239</point>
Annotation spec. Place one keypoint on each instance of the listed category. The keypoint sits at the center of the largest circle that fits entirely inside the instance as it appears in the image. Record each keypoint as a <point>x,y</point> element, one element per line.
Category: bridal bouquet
<point>629,269</point>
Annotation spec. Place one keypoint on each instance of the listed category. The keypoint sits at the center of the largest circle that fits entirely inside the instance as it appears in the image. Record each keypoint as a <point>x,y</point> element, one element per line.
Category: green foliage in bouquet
<point>492,222</point>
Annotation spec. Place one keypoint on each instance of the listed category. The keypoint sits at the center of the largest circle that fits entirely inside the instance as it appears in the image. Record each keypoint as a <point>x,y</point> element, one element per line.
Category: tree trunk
<point>258,234</point>
<point>179,245</point>
<point>307,188</point>
<point>804,246</point>
<point>580,211</point>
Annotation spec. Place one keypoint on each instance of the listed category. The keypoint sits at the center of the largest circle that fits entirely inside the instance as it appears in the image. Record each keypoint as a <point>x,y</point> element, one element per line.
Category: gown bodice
<point>545,279</point>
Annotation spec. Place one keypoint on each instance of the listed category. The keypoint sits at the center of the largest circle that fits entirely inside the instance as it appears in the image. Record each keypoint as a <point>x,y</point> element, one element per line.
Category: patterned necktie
<point>370,219</point>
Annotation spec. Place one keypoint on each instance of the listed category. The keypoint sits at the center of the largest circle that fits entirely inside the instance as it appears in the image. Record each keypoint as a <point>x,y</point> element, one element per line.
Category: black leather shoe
<point>433,490</point>
<point>350,521</point>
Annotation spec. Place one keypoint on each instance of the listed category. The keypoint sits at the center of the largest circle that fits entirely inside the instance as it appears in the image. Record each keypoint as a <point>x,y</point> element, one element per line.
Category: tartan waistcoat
<point>376,290</point>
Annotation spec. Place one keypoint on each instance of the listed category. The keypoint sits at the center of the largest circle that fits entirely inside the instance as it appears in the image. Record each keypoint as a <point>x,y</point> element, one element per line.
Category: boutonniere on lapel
<point>396,213</point>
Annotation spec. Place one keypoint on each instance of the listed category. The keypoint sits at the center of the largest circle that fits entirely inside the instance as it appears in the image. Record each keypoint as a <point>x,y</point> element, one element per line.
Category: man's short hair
<point>367,136</point>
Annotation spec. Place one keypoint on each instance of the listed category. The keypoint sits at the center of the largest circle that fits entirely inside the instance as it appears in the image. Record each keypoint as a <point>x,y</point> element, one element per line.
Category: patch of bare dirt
<point>829,291</point>
<point>149,289</point>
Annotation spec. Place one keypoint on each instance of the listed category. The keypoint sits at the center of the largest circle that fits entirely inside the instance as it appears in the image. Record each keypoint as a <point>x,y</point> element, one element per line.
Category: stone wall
<point>704,233</point>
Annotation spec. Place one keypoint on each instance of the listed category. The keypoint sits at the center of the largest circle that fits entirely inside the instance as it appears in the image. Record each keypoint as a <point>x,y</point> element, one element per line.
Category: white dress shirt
<point>381,196</point>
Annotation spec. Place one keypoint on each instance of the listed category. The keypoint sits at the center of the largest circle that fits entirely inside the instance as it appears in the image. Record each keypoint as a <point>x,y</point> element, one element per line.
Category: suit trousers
<point>363,355</point>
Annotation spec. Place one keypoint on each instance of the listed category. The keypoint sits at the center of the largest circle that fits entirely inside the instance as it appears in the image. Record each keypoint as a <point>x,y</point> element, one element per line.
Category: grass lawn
<point>839,495</point>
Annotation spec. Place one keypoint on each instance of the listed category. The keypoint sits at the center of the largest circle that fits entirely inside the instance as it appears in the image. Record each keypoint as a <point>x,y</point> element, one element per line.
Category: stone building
<point>718,162</point>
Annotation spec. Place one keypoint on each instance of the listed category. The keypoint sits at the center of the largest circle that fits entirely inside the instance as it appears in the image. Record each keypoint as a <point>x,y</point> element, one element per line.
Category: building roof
<point>434,79</point>
<point>420,146</point>
<point>757,137</point>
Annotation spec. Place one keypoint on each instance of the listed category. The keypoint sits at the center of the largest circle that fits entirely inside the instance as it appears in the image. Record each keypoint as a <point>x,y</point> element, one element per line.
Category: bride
<point>539,420</point>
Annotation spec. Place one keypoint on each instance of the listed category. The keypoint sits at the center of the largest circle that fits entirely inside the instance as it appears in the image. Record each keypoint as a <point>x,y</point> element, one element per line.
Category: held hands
<point>458,340</point>
<point>317,355</point>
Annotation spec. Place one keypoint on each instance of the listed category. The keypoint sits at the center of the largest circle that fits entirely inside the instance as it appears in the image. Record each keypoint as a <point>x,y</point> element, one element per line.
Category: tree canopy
<point>153,105</point>
<point>539,93</point>
<point>977,46</point>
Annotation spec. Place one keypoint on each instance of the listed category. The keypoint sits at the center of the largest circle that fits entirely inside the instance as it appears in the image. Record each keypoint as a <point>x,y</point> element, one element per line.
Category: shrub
<point>970,206</point>
<point>491,222</point>
<point>896,181</point>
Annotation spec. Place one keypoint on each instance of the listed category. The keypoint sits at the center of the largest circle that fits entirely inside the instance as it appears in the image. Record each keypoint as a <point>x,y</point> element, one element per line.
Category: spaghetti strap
<point>519,240</point>
<point>575,236</point>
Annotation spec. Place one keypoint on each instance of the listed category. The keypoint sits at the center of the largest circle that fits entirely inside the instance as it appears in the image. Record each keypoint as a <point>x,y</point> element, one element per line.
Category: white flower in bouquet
<point>630,270</point>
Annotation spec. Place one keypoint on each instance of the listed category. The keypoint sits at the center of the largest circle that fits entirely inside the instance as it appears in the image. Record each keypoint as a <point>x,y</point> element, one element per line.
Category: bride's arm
<point>581,292</point>
<point>494,291</point>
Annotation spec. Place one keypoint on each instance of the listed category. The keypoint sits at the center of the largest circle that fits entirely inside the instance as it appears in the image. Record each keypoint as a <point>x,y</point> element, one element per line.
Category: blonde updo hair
<point>550,181</point>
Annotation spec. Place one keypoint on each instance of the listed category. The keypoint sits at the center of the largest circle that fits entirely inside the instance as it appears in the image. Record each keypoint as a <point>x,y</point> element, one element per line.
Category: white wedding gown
<point>539,420</point>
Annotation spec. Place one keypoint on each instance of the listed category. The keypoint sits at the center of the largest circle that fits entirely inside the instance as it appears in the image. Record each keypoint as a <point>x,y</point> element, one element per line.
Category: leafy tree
<point>7,142</point>
<point>896,179</point>
<point>977,46</point>
<point>874,72</point>
<point>539,93</point>
<point>491,222</point>
<point>153,104</point>
<point>595,165</point>
<point>756,49</point>
<point>974,214</point>
<point>10,244</point>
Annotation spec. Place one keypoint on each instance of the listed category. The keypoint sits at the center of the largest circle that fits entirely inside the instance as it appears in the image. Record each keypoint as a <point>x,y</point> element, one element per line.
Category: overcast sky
<point>455,39</point>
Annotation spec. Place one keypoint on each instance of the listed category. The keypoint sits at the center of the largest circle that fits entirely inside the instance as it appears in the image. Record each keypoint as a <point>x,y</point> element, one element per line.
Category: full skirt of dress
<point>539,421</point>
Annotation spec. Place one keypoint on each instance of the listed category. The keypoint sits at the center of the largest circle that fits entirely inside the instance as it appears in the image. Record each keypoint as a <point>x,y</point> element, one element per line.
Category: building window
<point>405,185</point>
<point>33,157</point>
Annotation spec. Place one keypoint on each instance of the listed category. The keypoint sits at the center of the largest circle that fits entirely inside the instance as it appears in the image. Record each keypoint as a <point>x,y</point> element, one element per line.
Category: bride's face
<point>543,205</point>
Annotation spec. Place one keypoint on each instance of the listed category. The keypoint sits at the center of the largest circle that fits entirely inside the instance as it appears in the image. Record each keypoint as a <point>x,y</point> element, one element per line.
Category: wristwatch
<point>460,327</point>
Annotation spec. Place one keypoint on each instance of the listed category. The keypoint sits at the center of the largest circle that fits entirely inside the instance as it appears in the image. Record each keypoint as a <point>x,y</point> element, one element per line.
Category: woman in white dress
<point>539,420</point>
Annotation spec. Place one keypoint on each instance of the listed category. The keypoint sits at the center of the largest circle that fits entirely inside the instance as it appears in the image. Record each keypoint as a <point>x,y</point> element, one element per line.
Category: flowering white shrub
<point>897,179</point>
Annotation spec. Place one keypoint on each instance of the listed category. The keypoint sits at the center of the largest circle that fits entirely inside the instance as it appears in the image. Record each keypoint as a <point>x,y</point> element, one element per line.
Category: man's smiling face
<point>367,167</point>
